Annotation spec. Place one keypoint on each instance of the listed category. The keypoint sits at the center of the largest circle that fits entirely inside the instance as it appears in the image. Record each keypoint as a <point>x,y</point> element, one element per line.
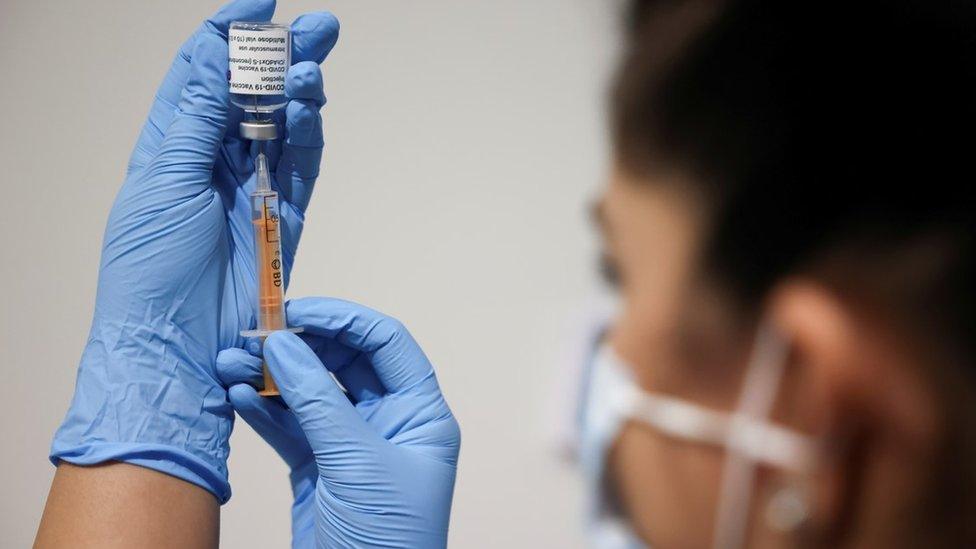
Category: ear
<point>853,384</point>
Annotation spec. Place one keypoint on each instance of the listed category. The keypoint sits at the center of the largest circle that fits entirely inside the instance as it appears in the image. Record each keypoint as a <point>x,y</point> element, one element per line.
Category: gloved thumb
<point>331,423</point>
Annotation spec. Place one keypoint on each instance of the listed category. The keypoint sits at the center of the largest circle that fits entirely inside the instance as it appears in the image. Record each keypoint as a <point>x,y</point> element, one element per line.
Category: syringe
<point>267,247</point>
<point>259,54</point>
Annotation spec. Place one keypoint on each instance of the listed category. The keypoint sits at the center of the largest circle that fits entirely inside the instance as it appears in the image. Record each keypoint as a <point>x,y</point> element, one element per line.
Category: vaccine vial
<point>259,55</point>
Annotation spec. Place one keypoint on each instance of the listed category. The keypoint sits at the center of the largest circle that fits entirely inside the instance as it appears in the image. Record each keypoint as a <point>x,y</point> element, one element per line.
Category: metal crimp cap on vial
<point>259,130</point>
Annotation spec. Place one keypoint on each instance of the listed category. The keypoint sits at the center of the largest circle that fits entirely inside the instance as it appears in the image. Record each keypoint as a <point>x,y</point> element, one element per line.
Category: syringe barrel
<point>268,261</point>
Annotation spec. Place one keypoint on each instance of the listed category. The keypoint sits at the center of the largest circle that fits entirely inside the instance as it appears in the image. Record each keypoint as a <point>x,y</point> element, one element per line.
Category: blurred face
<point>854,382</point>
<point>670,333</point>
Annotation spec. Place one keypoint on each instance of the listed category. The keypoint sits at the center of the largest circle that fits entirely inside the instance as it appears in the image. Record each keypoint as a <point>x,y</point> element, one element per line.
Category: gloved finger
<point>396,358</point>
<point>334,355</point>
<point>168,95</point>
<point>323,410</point>
<point>192,140</point>
<point>235,366</point>
<point>349,366</point>
<point>360,380</point>
<point>272,422</point>
<point>313,35</point>
<point>301,151</point>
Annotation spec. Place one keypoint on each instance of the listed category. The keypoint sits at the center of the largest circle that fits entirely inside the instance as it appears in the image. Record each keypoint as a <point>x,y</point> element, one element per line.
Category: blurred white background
<point>463,142</point>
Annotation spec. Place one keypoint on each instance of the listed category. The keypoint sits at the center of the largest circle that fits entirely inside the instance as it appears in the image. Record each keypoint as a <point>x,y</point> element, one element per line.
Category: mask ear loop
<point>746,434</point>
<point>759,389</point>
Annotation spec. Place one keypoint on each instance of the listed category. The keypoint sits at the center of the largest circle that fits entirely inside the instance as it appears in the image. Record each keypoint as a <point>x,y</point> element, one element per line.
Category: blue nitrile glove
<point>373,467</point>
<point>176,281</point>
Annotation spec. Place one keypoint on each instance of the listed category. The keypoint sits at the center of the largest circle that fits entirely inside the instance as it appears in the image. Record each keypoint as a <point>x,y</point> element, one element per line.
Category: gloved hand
<point>176,282</point>
<point>373,467</point>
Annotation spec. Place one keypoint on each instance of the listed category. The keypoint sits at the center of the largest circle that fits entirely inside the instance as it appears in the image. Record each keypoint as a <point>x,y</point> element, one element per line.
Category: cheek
<point>642,333</point>
<point>666,488</point>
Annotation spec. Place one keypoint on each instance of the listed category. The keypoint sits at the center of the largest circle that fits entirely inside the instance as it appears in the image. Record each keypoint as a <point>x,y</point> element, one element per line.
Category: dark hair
<point>830,136</point>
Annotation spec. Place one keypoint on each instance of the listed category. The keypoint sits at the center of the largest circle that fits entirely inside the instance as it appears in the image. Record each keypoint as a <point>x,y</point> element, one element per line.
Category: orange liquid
<point>270,278</point>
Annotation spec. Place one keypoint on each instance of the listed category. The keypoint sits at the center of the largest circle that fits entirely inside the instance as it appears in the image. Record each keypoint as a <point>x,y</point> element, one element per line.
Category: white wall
<point>464,140</point>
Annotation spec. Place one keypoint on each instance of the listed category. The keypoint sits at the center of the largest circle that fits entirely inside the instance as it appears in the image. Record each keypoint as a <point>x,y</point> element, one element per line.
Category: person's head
<point>806,167</point>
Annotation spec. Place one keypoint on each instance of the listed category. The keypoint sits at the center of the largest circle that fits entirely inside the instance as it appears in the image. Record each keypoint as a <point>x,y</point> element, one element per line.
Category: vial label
<point>258,61</point>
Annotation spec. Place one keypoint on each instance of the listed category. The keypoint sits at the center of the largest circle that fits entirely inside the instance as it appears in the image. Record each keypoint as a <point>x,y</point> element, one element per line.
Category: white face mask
<point>748,437</point>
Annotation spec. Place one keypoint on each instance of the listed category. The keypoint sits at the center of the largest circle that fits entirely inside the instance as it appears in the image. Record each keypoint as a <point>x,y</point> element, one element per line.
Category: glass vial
<point>260,54</point>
